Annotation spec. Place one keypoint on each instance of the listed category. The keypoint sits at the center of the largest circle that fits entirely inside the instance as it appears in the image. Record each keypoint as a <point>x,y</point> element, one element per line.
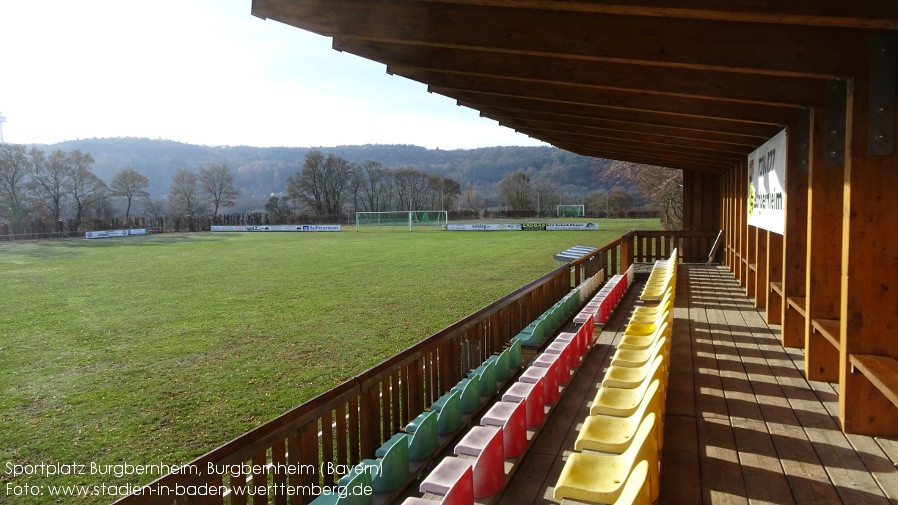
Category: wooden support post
<point>774,312</point>
<point>794,248</point>
<point>824,259</point>
<point>869,305</point>
<point>742,221</point>
<point>749,260</point>
<point>760,261</point>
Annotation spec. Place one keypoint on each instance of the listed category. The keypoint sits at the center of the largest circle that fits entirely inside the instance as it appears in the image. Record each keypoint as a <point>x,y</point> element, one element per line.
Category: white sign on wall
<point>767,185</point>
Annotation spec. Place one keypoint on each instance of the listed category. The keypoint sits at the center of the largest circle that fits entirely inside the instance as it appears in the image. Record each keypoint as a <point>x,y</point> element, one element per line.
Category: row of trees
<point>330,185</point>
<point>40,191</point>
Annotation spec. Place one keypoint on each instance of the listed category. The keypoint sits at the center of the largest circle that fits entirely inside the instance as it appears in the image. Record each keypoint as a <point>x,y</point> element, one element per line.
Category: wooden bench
<point>881,370</point>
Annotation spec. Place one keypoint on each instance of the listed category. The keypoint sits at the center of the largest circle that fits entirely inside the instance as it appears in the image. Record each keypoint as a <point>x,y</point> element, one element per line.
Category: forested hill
<point>261,171</point>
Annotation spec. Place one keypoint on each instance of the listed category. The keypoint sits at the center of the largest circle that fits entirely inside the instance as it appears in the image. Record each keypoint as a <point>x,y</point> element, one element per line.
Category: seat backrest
<point>644,445</point>
<point>423,442</point>
<point>462,492</point>
<point>652,403</point>
<point>636,489</point>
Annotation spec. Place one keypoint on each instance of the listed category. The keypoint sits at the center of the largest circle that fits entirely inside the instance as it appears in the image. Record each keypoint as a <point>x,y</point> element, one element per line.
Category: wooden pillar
<point>742,221</point>
<point>824,260</point>
<point>869,301</point>
<point>794,248</point>
<point>751,266</point>
<point>774,313</point>
<point>760,262</point>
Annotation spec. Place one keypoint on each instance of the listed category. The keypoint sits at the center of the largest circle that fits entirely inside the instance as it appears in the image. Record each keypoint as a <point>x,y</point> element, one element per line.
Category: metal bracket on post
<point>803,138</point>
<point>881,113</point>
<point>836,105</point>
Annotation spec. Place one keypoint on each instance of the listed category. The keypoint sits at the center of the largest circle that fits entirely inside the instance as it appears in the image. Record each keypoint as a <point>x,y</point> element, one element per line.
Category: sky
<point>208,72</point>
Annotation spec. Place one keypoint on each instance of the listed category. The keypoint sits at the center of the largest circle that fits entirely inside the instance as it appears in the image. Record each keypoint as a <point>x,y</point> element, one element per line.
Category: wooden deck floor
<point>742,424</point>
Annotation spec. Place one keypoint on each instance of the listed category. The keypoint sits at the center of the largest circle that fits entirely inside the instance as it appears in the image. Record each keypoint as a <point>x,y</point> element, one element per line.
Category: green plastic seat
<point>515,358</point>
<point>503,364</point>
<point>487,373</point>
<point>356,481</point>
<point>392,465</point>
<point>470,393</point>
<point>422,441</point>
<point>448,408</point>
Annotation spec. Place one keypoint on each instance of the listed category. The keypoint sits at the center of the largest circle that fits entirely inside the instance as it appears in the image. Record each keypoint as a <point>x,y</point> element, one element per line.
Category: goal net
<point>402,220</point>
<point>571,211</point>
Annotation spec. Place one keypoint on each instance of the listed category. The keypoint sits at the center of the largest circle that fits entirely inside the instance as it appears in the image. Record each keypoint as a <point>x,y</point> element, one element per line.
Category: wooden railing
<point>319,440</point>
<point>692,246</point>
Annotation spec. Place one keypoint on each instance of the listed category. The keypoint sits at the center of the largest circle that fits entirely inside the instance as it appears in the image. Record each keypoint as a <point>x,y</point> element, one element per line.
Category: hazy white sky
<point>207,72</point>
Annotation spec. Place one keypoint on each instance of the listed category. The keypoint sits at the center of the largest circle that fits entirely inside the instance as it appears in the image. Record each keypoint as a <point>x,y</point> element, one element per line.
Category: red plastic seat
<point>535,374</point>
<point>453,478</point>
<point>486,444</point>
<point>568,353</point>
<point>512,418</point>
<point>532,395</point>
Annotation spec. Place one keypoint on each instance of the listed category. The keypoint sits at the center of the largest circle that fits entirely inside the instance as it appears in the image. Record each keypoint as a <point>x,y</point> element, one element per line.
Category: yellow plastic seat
<point>639,357</point>
<point>646,317</point>
<point>636,490</point>
<point>600,478</point>
<point>615,434</point>
<point>639,342</point>
<point>624,402</point>
<point>646,328</point>
<point>629,377</point>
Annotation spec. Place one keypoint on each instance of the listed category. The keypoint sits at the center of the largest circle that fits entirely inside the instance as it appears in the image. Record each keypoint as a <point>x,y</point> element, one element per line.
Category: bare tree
<point>218,185</point>
<point>155,208</point>
<point>131,185</point>
<point>548,195</point>
<point>278,209</point>
<point>184,194</point>
<point>322,184</point>
<point>51,181</point>
<point>15,165</point>
<point>515,190</point>
<point>87,188</point>
<point>661,185</point>
<point>374,184</point>
<point>409,186</point>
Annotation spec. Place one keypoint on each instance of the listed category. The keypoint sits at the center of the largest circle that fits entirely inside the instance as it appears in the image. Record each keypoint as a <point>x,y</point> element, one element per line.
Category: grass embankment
<point>157,349</point>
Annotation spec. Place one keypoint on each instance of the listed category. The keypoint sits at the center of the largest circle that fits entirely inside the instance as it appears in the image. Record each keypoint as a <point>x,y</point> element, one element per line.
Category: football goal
<point>571,211</point>
<point>410,220</point>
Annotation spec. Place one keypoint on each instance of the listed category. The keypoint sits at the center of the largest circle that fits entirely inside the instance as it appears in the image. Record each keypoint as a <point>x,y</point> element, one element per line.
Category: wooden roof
<point>695,86</point>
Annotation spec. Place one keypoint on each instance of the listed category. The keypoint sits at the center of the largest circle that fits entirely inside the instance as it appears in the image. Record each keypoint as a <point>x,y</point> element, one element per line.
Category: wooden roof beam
<point>660,151</point>
<point>882,14</point>
<point>610,153</point>
<point>629,127</point>
<point>648,139</point>
<point>712,85</point>
<point>620,99</point>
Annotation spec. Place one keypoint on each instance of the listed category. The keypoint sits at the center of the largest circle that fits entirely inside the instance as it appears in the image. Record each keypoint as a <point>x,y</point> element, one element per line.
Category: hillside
<point>262,171</point>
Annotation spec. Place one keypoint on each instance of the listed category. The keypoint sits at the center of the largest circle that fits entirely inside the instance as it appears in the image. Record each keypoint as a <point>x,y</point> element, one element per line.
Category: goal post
<point>571,211</point>
<point>402,220</point>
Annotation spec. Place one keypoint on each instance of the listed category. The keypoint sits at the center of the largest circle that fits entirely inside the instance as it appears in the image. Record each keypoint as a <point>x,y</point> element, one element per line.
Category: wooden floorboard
<point>742,425</point>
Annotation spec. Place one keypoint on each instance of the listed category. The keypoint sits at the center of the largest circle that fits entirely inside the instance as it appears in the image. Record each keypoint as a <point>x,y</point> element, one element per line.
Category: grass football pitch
<point>156,349</point>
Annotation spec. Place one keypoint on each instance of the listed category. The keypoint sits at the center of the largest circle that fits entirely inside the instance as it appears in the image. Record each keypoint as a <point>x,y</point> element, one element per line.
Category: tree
<point>619,200</point>
<point>155,208</point>
<point>322,184</point>
<point>184,194</point>
<point>130,184</point>
<point>515,190</point>
<point>409,186</point>
<point>660,185</point>
<point>374,183</point>
<point>51,181</point>
<point>278,209</point>
<point>548,195</point>
<point>218,185</point>
<point>87,188</point>
<point>15,165</point>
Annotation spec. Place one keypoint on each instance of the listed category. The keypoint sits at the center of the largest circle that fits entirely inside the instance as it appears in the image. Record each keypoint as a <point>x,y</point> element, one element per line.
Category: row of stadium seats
<point>522,407</point>
<point>621,438</point>
<point>478,467</point>
<point>546,324</point>
<point>605,301</point>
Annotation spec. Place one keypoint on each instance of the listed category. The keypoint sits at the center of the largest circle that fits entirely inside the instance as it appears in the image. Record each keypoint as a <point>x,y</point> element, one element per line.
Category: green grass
<point>157,349</point>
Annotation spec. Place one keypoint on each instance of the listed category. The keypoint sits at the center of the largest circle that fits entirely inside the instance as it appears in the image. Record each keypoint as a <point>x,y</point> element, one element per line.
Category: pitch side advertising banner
<point>291,227</point>
<point>767,183</point>
<point>483,227</point>
<point>533,226</point>
<point>572,226</point>
<point>115,233</point>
